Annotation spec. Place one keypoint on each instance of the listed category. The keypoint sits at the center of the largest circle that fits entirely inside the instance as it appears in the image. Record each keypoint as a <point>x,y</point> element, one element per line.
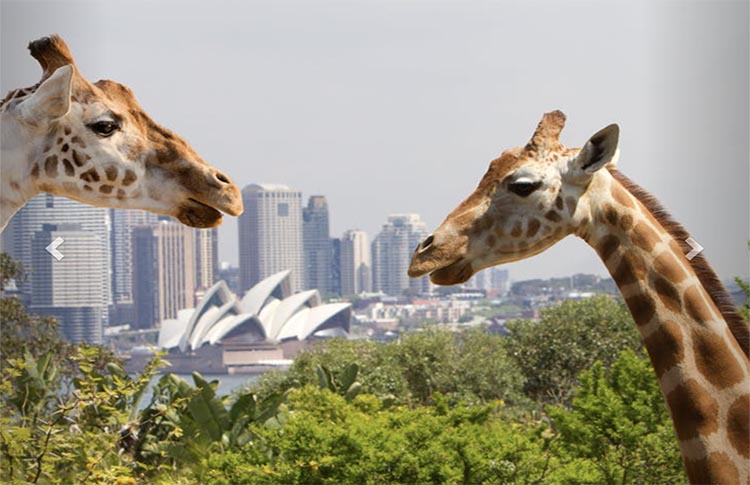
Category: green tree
<point>618,430</point>
<point>568,339</point>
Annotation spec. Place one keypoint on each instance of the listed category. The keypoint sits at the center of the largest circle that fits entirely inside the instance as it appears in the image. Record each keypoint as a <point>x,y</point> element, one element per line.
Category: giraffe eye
<point>104,128</point>
<point>524,188</point>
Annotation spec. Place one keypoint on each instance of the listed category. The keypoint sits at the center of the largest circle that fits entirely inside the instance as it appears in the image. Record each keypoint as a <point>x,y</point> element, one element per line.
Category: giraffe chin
<point>199,215</point>
<point>455,273</point>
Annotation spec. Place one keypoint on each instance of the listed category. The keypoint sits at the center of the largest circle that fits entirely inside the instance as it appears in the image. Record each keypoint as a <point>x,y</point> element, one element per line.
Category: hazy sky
<point>389,107</point>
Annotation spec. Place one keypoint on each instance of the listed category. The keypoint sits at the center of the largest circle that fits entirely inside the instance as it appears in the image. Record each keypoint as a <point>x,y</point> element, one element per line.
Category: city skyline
<point>400,107</point>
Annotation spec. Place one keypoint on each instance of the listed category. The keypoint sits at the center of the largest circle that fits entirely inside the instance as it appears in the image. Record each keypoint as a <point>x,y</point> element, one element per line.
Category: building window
<point>283,209</point>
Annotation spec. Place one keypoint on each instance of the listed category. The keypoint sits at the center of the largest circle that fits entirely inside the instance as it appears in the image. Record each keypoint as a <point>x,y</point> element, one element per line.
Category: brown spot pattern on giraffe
<point>129,177</point>
<point>77,141</point>
<point>106,189</point>
<point>629,270</point>
<point>517,229</point>
<point>644,237</point>
<point>696,307</point>
<point>715,468</point>
<point>80,160</point>
<point>532,228</point>
<point>607,247</point>
<point>65,148</point>
<point>695,411</point>
<point>35,171</point>
<point>665,347</point>
<point>552,216</point>
<point>50,166</point>
<point>738,425</point>
<point>90,175</point>
<point>642,307</point>
<point>69,170</point>
<point>722,372</point>
<point>668,294</point>
<point>111,172</point>
<point>559,203</point>
<point>666,265</point>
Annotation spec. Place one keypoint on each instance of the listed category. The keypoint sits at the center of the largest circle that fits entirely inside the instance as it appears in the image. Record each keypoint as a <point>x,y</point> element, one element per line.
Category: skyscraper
<point>70,289</point>
<point>207,257</point>
<point>123,222</point>
<point>270,234</point>
<point>164,264</point>
<point>49,209</point>
<point>355,263</point>
<point>317,245</point>
<point>391,254</point>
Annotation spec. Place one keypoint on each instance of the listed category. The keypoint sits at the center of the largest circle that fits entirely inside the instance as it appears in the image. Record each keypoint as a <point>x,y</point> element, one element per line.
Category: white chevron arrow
<point>52,248</point>
<point>696,248</point>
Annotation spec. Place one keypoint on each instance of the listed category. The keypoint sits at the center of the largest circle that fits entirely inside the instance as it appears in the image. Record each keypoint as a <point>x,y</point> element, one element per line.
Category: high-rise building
<point>164,264</point>
<point>492,279</point>
<point>123,222</point>
<point>317,245</point>
<point>70,289</point>
<point>270,234</point>
<point>391,255</point>
<point>355,263</point>
<point>207,257</point>
<point>49,209</point>
<point>335,274</point>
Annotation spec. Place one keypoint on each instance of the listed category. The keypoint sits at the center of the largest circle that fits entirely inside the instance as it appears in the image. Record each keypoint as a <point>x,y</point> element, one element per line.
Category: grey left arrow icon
<point>52,248</point>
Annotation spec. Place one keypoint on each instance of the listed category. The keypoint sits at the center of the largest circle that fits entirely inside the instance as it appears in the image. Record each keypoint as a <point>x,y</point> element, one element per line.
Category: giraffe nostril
<point>222,178</point>
<point>427,242</point>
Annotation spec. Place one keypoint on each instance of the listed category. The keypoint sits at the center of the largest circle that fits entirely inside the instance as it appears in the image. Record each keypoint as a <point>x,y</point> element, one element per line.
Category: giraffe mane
<point>706,275</point>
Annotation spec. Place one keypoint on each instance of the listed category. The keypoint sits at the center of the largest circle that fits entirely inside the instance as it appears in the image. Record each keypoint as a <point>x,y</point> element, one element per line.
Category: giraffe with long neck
<point>93,142</point>
<point>532,197</point>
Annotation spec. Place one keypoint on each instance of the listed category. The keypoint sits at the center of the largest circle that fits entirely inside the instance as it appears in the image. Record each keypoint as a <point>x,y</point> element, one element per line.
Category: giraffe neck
<point>17,151</point>
<point>702,370</point>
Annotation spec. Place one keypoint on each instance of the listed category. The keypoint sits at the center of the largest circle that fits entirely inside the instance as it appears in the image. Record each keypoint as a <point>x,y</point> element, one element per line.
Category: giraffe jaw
<point>197,214</point>
<point>453,273</point>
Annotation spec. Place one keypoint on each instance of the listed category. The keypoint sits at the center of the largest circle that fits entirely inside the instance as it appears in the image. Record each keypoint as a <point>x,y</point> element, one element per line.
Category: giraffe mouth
<point>194,213</point>
<point>454,273</point>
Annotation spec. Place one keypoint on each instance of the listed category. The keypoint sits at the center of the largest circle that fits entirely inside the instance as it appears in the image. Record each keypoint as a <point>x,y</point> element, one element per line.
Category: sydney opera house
<point>225,333</point>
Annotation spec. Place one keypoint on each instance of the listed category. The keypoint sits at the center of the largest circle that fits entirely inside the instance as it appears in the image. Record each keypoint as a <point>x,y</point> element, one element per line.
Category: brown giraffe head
<point>529,199</point>
<point>97,145</point>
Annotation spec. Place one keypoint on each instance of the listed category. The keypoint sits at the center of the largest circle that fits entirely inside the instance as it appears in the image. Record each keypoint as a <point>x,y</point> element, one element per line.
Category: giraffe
<point>531,197</point>
<point>92,142</point>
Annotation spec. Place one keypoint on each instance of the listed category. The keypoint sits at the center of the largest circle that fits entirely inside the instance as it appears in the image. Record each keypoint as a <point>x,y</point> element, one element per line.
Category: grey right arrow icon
<point>52,248</point>
<point>695,248</point>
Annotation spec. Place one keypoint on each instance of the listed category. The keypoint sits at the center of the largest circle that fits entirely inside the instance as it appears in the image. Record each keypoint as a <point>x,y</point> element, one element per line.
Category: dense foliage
<point>568,338</point>
<point>434,407</point>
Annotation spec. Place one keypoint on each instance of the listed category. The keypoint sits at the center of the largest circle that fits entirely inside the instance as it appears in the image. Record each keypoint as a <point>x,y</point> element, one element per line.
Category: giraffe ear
<point>600,150</point>
<point>51,99</point>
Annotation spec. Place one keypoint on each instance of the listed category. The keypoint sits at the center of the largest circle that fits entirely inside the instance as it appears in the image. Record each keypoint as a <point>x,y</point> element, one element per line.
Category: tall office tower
<point>316,239</point>
<point>270,234</point>
<point>207,257</point>
<point>49,209</point>
<point>391,254</point>
<point>164,271</point>
<point>356,264</point>
<point>490,279</point>
<point>71,289</point>
<point>335,273</point>
<point>123,222</point>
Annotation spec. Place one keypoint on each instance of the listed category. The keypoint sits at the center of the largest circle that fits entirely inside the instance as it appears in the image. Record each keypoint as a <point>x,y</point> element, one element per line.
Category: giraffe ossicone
<point>532,197</point>
<point>93,142</point>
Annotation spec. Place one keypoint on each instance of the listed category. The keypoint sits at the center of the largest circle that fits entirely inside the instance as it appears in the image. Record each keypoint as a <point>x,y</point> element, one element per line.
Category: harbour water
<point>227,384</point>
